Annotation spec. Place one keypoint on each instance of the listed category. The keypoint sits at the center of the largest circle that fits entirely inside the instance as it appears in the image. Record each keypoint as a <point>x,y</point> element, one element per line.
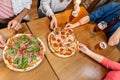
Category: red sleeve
<point>110,64</point>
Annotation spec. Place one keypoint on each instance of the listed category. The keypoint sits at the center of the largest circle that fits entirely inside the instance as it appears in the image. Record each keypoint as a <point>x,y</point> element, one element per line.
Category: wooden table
<point>79,66</point>
<point>42,72</point>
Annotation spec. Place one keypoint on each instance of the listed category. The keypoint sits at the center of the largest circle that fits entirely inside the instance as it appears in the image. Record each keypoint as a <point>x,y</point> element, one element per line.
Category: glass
<point>100,46</point>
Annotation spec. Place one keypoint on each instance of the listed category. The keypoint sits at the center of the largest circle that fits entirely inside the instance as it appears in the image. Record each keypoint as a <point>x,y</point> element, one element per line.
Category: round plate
<point>28,68</point>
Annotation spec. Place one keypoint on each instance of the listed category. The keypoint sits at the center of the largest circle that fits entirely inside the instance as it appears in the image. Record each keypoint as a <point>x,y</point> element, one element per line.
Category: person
<point>12,13</point>
<point>108,13</point>
<point>114,73</point>
<point>49,7</point>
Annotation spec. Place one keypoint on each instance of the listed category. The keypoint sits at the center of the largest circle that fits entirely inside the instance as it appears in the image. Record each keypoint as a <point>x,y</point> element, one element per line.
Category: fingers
<point>18,26</point>
<point>14,24</point>
<point>51,25</point>
<point>67,25</point>
<point>9,25</point>
<point>81,45</point>
<point>2,41</point>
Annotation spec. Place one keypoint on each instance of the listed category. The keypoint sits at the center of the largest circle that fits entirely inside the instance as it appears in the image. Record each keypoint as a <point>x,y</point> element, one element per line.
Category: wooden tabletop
<point>42,72</point>
<point>78,66</point>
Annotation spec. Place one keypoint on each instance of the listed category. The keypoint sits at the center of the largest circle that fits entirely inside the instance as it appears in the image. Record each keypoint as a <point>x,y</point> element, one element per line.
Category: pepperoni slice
<point>55,45</point>
<point>61,49</point>
<point>63,37</point>
<point>58,40</point>
<point>57,33</point>
<point>68,44</point>
<point>53,39</point>
<point>60,45</point>
<point>70,31</point>
<point>69,40</point>
<point>63,33</point>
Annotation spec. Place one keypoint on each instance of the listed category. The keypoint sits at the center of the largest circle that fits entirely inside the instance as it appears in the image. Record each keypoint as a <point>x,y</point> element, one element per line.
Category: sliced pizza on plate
<point>62,42</point>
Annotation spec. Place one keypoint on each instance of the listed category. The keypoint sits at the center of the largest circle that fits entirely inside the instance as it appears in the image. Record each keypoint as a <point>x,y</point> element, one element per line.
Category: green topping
<point>33,57</point>
<point>33,41</point>
<point>17,44</point>
<point>12,51</point>
<point>16,60</point>
<point>23,38</point>
<point>24,63</point>
<point>34,49</point>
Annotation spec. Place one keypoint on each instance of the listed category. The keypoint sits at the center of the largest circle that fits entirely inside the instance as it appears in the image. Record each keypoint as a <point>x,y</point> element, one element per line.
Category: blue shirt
<point>107,13</point>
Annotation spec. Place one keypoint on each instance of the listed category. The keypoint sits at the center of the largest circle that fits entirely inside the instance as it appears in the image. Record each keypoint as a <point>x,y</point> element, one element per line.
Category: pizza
<point>62,42</point>
<point>23,52</point>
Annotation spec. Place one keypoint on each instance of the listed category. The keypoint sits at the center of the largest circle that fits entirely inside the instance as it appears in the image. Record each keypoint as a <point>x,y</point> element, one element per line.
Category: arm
<point>100,59</point>
<point>45,5</point>
<point>48,11</point>
<point>90,53</point>
<point>15,23</point>
<point>82,21</point>
<point>115,38</point>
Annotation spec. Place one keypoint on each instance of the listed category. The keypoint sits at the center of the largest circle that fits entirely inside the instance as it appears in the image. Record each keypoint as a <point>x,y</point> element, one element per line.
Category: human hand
<point>53,23</point>
<point>2,41</point>
<point>76,8</point>
<point>83,48</point>
<point>69,26</point>
<point>14,24</point>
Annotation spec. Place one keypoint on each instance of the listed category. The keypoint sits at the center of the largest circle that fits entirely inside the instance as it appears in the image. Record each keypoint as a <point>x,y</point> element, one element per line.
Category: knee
<point>112,43</point>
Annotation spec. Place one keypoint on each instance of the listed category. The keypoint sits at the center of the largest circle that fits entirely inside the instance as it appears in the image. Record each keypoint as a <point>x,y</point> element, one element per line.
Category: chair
<point>38,4</point>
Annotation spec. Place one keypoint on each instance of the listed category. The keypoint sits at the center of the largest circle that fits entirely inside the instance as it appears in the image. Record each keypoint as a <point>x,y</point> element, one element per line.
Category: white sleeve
<point>27,4</point>
<point>45,5</point>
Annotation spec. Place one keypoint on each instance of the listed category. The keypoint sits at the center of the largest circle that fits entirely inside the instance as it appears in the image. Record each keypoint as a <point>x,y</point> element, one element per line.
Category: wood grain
<point>79,66</point>
<point>42,72</point>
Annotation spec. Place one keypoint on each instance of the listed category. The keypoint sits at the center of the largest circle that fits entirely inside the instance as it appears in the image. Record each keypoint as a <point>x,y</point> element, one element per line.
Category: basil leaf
<point>34,49</point>
<point>33,41</point>
<point>23,38</point>
<point>12,51</point>
<point>16,60</point>
<point>17,44</point>
<point>24,63</point>
<point>33,57</point>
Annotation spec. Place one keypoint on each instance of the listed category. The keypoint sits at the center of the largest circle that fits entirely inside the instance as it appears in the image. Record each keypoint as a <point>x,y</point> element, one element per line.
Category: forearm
<point>82,21</point>
<point>95,56</point>
<point>22,14</point>
<point>46,8</point>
